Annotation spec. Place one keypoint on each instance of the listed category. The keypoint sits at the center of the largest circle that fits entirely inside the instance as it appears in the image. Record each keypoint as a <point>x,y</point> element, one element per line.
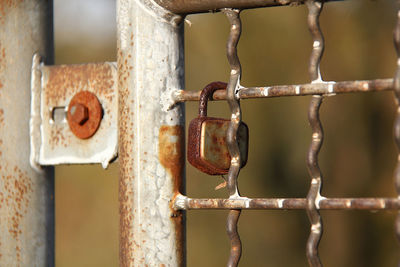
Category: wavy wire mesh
<point>318,89</point>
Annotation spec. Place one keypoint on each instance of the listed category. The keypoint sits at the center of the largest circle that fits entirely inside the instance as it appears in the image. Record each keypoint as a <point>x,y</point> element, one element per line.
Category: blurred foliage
<point>357,159</point>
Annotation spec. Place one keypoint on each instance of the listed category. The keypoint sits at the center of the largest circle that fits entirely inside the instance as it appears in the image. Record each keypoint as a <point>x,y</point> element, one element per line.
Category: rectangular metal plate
<point>52,142</point>
<point>213,146</point>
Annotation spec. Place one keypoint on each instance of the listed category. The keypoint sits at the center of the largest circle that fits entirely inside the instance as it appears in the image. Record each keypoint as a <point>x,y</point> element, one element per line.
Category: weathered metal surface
<point>151,136</point>
<point>78,113</point>
<point>213,148</point>
<point>198,6</point>
<point>26,194</point>
<point>207,146</point>
<point>84,114</point>
<point>233,16</point>
<point>55,88</point>
<point>213,143</point>
<point>317,137</point>
<point>185,203</point>
<point>322,88</point>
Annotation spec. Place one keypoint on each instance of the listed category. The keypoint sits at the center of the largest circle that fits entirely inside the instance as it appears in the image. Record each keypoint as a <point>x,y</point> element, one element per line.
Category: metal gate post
<point>151,134</point>
<point>26,194</point>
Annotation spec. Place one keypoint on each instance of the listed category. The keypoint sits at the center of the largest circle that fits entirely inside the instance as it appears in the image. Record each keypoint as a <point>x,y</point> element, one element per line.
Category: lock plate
<point>52,88</point>
<point>213,147</point>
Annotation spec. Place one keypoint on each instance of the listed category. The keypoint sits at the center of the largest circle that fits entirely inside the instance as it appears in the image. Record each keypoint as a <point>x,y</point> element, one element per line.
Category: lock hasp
<point>207,147</point>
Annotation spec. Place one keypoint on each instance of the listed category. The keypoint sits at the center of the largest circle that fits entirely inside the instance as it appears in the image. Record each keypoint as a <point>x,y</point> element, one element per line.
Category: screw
<point>84,114</point>
<point>79,113</point>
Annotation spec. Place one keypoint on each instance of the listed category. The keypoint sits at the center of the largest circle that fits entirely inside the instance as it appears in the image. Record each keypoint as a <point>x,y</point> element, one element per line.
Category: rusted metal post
<point>26,193</point>
<point>151,134</point>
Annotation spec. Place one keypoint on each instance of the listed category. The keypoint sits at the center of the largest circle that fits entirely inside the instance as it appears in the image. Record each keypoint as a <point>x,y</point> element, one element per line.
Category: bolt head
<point>79,113</point>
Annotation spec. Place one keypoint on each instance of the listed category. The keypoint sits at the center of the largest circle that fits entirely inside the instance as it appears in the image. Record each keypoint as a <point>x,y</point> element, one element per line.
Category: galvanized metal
<point>54,89</point>
<point>199,6</point>
<point>151,136</point>
<point>26,193</point>
<point>330,88</point>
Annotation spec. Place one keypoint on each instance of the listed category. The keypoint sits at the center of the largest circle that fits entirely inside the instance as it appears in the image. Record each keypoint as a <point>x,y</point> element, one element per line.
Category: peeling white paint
<point>154,49</point>
<point>266,91</point>
<point>297,89</point>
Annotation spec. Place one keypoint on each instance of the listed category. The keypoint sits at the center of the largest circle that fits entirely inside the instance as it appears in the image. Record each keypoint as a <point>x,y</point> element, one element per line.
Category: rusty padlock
<point>207,147</point>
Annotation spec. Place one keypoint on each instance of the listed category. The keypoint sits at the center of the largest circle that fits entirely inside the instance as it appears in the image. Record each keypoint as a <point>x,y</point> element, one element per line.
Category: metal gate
<point>142,101</point>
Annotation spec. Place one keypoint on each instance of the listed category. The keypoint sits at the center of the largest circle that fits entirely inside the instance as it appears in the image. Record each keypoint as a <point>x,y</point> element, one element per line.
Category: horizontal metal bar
<point>322,88</point>
<point>186,203</point>
<point>201,6</point>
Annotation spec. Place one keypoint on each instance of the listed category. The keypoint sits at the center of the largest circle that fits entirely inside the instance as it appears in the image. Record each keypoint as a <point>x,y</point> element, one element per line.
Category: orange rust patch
<point>171,152</point>
<point>1,116</point>
<point>88,100</point>
<point>171,156</point>
<point>2,60</point>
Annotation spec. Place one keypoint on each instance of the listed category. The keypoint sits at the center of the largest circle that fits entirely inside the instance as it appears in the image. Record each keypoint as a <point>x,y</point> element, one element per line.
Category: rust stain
<point>171,152</point>
<point>1,116</point>
<point>125,151</point>
<point>2,57</point>
<point>65,80</point>
<point>5,5</point>
<point>57,136</point>
<point>16,194</point>
<point>2,61</point>
<point>171,156</point>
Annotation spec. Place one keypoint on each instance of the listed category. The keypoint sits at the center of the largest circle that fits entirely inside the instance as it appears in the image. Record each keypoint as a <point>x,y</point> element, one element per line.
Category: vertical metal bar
<point>151,134</point>
<point>396,87</point>
<point>233,146</point>
<point>314,193</point>
<point>26,193</point>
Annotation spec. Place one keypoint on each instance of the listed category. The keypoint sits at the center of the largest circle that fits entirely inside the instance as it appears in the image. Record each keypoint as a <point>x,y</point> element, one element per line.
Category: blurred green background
<point>357,159</point>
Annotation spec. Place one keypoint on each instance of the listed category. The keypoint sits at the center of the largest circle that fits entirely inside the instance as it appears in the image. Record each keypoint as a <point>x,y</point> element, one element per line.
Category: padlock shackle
<point>207,93</point>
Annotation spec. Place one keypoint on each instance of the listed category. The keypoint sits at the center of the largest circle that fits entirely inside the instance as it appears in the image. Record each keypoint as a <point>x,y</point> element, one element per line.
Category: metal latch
<point>74,113</point>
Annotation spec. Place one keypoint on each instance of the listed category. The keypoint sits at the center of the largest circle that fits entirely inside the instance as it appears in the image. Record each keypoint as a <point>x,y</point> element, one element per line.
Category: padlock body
<point>207,148</point>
